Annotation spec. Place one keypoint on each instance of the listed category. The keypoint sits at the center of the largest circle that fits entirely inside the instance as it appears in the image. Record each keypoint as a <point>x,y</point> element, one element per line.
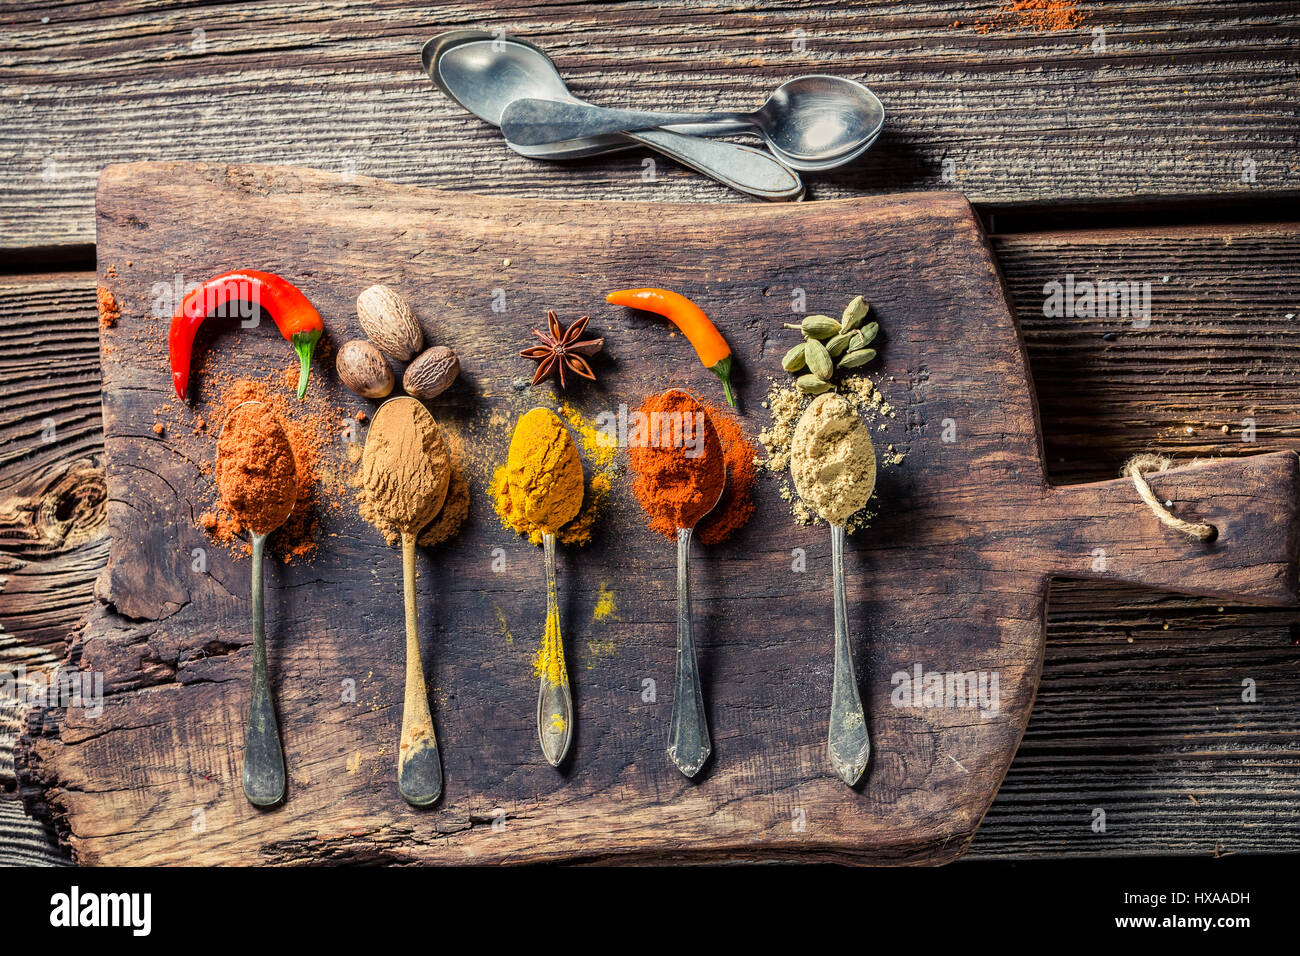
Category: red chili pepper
<point>294,316</point>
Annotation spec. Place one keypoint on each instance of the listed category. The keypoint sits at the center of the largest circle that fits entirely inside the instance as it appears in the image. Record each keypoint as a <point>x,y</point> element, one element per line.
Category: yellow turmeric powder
<point>540,487</point>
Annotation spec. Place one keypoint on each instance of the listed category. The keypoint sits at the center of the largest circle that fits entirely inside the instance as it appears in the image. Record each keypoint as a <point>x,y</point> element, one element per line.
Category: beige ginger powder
<point>832,460</point>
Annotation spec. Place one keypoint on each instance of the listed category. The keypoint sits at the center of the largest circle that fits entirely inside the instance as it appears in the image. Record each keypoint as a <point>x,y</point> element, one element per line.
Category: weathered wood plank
<point>1193,98</point>
<point>1128,727</point>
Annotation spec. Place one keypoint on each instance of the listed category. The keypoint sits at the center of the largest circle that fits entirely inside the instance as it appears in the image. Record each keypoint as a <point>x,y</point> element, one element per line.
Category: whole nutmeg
<point>363,369</point>
<point>389,322</point>
<point>431,373</point>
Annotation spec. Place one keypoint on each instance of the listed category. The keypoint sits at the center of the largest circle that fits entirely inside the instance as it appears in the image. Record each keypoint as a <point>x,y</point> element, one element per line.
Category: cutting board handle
<point>1104,530</point>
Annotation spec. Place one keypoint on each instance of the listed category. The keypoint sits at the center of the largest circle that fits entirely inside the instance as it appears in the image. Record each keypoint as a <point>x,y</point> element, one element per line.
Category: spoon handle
<point>745,169</point>
<point>264,776</point>
<point>534,122</point>
<point>419,769</point>
<point>554,702</point>
<point>847,743</point>
<point>688,733</point>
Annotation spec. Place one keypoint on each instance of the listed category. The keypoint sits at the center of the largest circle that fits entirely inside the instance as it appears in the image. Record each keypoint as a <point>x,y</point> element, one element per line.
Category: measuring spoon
<point>485,72</point>
<point>419,768</point>
<point>807,122</point>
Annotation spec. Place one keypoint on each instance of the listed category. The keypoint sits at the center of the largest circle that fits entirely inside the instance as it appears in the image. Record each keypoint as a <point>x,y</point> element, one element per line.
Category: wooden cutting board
<point>951,577</point>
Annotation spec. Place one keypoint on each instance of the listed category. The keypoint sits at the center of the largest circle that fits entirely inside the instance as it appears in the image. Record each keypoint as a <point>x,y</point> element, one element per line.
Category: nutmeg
<point>389,322</point>
<point>363,369</point>
<point>431,373</point>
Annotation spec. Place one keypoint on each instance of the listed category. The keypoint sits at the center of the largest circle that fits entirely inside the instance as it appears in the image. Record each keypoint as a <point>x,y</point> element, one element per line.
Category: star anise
<point>561,349</point>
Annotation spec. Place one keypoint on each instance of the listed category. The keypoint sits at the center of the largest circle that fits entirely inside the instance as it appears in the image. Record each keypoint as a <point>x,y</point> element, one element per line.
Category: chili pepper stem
<point>304,343</point>
<point>722,369</point>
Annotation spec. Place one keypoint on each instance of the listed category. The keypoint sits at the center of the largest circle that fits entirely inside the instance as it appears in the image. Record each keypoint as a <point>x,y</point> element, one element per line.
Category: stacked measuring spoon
<point>810,123</point>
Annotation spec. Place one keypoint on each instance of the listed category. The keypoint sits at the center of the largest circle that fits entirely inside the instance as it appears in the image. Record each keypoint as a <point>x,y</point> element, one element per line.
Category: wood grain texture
<point>1184,99</point>
<point>1139,709</point>
<point>119,649</point>
<point>51,463</point>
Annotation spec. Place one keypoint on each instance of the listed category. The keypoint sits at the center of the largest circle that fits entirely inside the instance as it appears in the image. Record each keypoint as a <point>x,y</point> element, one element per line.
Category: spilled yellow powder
<point>598,649</point>
<point>548,662</point>
<point>599,447</point>
<point>505,628</point>
<point>604,603</point>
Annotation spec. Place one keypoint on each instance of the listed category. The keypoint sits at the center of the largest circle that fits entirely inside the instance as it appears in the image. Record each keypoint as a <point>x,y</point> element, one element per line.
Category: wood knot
<point>62,509</point>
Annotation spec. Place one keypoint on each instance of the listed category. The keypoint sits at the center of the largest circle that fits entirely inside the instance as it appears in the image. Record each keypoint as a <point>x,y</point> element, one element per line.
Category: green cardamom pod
<point>820,326</point>
<point>794,360</point>
<point>838,345</point>
<point>819,360</point>
<point>860,357</point>
<point>811,385</point>
<point>869,333</point>
<point>856,341</point>
<point>854,313</point>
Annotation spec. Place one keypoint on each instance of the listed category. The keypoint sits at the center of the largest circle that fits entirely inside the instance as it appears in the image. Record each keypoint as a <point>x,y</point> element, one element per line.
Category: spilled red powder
<point>736,506</point>
<point>1046,15</point>
<point>109,313</point>
<point>308,432</point>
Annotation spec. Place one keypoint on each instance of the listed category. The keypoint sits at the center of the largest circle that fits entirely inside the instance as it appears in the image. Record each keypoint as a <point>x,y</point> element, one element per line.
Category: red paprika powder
<point>677,460</point>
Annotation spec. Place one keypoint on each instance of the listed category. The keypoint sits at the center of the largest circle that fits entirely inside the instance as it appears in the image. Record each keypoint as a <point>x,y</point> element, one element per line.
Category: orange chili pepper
<point>710,346</point>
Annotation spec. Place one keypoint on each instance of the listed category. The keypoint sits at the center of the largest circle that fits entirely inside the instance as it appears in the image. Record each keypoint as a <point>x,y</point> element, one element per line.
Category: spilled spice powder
<point>1046,15</point>
<point>598,446</point>
<point>676,458</point>
<point>736,506</point>
<point>109,313</point>
<point>307,433</point>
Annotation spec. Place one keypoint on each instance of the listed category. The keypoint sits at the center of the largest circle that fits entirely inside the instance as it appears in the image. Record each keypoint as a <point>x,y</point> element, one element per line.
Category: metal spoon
<point>484,73</point>
<point>807,120</point>
<point>419,768</point>
<point>554,700</point>
<point>848,742</point>
<point>264,772</point>
<point>688,730</point>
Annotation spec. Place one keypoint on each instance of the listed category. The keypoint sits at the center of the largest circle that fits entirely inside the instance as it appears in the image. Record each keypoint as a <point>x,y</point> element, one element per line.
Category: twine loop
<point>1134,468</point>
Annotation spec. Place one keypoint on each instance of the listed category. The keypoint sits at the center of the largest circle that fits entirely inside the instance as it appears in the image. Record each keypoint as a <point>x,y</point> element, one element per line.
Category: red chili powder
<point>307,432</point>
<point>677,479</point>
<point>256,474</point>
<point>737,504</point>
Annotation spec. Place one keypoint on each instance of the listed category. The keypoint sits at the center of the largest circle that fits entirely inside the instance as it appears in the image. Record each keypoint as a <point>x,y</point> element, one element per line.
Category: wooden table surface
<point>1143,142</point>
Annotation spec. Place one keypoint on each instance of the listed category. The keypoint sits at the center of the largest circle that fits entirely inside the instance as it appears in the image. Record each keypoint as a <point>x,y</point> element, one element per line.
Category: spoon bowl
<point>819,119</point>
